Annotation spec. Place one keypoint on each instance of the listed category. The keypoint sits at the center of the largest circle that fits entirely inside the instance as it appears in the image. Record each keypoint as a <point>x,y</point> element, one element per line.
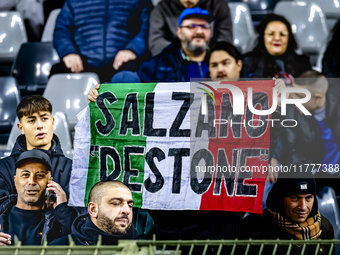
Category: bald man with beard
<point>110,215</point>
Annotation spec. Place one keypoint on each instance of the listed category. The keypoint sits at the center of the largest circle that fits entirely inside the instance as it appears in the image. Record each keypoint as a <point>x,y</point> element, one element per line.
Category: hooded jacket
<point>57,222</point>
<point>257,227</point>
<point>84,232</point>
<point>98,29</point>
<point>164,18</point>
<point>61,166</point>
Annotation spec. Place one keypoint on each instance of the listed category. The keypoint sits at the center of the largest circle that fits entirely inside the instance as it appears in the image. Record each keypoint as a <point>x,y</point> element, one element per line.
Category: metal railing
<point>158,247</point>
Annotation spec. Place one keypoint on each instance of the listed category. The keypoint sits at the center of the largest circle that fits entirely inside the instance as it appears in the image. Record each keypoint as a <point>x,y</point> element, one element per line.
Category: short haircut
<point>227,47</point>
<point>99,190</point>
<point>32,104</point>
<point>313,80</point>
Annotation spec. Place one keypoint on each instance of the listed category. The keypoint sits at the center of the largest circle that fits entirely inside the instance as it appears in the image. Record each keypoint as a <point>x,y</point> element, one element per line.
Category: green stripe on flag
<point>114,140</point>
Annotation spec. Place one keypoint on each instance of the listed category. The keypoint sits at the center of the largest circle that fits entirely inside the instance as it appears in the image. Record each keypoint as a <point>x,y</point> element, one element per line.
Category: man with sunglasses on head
<point>182,60</point>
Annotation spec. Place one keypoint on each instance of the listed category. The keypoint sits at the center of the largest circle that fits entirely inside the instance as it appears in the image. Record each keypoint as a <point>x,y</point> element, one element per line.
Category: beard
<point>108,225</point>
<point>195,49</point>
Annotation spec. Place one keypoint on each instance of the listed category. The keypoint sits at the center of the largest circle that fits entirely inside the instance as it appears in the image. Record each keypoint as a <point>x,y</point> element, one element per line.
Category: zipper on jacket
<point>200,68</point>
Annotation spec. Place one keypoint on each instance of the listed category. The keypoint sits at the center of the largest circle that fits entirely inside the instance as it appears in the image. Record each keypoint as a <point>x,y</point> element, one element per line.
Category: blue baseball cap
<point>195,13</point>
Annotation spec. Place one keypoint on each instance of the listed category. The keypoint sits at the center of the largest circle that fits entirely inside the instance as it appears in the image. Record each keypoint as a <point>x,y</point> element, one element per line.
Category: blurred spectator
<point>292,214</point>
<point>104,37</point>
<point>316,138</point>
<point>274,54</point>
<point>163,21</point>
<point>225,62</point>
<point>110,215</point>
<point>36,126</point>
<point>29,215</point>
<point>31,11</point>
<point>185,59</point>
<point>331,58</point>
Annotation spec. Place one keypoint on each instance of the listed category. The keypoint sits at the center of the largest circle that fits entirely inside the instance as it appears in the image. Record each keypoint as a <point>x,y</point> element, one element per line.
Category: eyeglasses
<point>194,26</point>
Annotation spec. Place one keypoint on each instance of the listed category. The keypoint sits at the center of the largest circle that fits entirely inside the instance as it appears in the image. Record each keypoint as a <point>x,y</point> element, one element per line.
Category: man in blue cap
<point>182,60</point>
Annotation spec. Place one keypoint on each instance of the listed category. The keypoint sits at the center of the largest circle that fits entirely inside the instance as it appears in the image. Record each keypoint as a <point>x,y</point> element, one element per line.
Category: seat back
<point>60,128</point>
<point>308,24</point>
<point>68,93</point>
<point>32,66</point>
<point>328,207</point>
<point>258,8</point>
<point>9,99</point>
<point>242,24</point>
<point>47,35</point>
<point>12,35</point>
<point>331,8</point>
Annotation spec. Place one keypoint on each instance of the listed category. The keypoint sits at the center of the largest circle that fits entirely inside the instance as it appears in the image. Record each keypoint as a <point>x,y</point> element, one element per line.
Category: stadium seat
<point>242,24</point>
<point>259,8</point>
<point>328,207</point>
<point>47,35</point>
<point>68,93</point>
<point>308,24</point>
<point>32,66</point>
<point>61,129</point>
<point>12,35</point>
<point>9,99</point>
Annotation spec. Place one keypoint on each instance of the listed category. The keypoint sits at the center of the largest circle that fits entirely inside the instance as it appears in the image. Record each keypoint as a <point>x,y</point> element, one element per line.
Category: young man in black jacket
<point>110,215</point>
<point>36,126</point>
<point>32,215</point>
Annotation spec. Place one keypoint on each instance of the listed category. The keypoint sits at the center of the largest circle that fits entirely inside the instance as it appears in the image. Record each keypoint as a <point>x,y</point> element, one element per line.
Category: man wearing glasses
<point>184,59</point>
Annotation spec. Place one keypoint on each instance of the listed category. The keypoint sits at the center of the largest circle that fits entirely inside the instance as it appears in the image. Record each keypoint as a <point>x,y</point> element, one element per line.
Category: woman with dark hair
<point>274,54</point>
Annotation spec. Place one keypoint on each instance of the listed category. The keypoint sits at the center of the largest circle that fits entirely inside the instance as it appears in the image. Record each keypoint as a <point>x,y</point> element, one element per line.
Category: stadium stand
<point>243,27</point>
<point>72,90</point>
<point>47,35</point>
<point>12,35</point>
<point>308,25</point>
<point>9,99</point>
<point>259,8</point>
<point>32,66</point>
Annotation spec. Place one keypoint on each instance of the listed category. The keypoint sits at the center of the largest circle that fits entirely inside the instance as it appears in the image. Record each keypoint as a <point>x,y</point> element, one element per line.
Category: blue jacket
<point>57,222</point>
<point>98,29</point>
<point>169,66</point>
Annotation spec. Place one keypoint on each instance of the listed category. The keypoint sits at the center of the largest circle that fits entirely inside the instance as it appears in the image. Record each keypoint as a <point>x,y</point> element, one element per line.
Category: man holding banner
<point>155,139</point>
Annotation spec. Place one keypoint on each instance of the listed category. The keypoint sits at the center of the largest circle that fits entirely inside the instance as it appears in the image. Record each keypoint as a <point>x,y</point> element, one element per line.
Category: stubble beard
<point>108,225</point>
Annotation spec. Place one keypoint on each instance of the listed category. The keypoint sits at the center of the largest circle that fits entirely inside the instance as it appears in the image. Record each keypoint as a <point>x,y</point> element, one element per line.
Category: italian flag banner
<point>177,146</point>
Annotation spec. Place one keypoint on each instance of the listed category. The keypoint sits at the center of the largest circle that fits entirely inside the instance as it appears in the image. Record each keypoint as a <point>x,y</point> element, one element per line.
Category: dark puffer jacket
<point>84,232</point>
<point>98,29</point>
<point>61,166</point>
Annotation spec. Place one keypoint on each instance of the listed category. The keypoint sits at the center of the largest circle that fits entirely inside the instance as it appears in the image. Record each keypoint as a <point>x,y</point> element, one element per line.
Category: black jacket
<point>303,144</point>
<point>84,232</point>
<point>257,227</point>
<point>260,64</point>
<point>61,166</point>
<point>57,221</point>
